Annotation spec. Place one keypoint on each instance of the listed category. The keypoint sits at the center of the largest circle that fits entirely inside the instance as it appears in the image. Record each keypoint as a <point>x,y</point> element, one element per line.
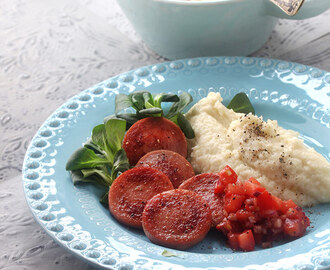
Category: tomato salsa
<point>253,216</point>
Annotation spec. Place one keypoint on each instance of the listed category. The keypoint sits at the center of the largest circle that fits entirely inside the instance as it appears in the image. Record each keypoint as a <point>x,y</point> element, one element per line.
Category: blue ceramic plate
<point>296,95</point>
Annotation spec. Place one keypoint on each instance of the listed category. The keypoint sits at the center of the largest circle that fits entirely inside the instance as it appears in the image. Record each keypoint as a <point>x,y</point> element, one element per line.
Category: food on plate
<point>177,218</point>
<point>203,184</point>
<point>102,158</point>
<point>175,207</point>
<point>132,189</point>
<point>175,166</point>
<point>153,133</point>
<point>253,216</point>
<point>262,149</point>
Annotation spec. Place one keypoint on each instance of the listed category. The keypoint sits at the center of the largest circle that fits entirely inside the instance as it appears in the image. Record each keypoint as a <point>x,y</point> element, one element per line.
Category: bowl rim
<point>200,2</point>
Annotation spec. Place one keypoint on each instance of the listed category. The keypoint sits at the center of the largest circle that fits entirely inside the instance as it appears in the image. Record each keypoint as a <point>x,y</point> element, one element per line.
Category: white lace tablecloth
<point>50,51</point>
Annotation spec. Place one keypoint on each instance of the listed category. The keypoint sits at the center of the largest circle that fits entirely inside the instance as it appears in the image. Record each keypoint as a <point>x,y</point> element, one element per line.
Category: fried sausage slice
<point>177,218</point>
<point>175,166</point>
<point>132,189</point>
<point>204,184</point>
<point>153,133</point>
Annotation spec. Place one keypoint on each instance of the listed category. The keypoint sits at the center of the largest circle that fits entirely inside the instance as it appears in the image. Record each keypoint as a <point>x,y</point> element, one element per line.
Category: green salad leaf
<point>159,98</point>
<point>122,102</point>
<point>147,105</point>
<point>185,126</point>
<point>104,198</point>
<point>120,164</point>
<point>102,158</point>
<point>114,135</point>
<point>184,100</point>
<point>151,111</point>
<point>130,118</point>
<point>84,158</point>
<point>241,104</point>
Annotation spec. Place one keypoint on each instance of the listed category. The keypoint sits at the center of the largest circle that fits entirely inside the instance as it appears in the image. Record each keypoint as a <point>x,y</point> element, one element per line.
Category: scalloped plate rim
<point>117,77</point>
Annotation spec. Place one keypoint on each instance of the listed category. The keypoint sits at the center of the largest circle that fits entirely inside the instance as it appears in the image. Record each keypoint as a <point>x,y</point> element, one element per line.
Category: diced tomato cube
<point>246,240</point>
<point>251,204</point>
<point>297,213</point>
<point>294,227</point>
<point>294,213</point>
<point>286,205</point>
<point>279,202</point>
<point>228,175</point>
<point>219,187</point>
<point>234,202</point>
<point>236,188</point>
<point>233,241</point>
<point>243,215</point>
<point>253,188</point>
<point>266,201</point>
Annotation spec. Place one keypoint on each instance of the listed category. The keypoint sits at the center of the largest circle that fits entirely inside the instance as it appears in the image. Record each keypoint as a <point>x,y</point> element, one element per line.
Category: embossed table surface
<point>50,51</point>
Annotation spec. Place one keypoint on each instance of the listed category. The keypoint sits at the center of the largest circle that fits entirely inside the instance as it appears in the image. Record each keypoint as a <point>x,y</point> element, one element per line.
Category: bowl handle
<point>309,8</point>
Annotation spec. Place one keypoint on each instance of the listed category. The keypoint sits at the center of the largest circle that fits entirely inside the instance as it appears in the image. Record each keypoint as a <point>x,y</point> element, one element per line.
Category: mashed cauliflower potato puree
<point>276,157</point>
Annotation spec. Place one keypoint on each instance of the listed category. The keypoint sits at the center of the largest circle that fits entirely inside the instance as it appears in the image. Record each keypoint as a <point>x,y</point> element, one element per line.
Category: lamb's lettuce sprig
<point>147,105</point>
<point>101,159</point>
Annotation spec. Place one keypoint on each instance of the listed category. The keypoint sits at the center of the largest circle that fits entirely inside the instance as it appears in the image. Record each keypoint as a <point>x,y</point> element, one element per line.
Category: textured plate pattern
<point>297,96</point>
